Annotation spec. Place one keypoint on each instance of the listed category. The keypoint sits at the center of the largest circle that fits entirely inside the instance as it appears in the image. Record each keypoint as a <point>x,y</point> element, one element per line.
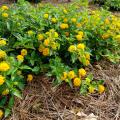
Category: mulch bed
<point>42,101</point>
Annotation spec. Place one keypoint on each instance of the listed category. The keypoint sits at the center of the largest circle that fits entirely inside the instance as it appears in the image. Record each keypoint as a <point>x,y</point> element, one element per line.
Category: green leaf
<point>7,112</point>
<point>3,101</point>
<point>25,67</point>
<point>17,93</point>
<point>11,102</point>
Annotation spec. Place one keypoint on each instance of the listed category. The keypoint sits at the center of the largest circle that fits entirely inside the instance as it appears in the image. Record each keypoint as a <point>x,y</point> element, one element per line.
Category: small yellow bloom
<point>54,45</point>
<point>79,37</point>
<point>117,38</point>
<point>29,77</point>
<point>87,55</point>
<point>23,52</point>
<point>65,11</point>
<point>4,66</point>
<point>41,47</point>
<point>107,21</point>
<point>82,72</point>
<point>73,20</point>
<point>71,74</point>
<point>91,89</point>
<point>78,25</point>
<point>81,46</point>
<point>30,32</point>
<point>105,36</point>
<point>46,51</point>
<point>72,48</point>
<point>64,26</point>
<point>101,89</point>
<point>2,79</point>
<point>80,33</point>
<point>1,114</point>
<point>4,7</point>
<point>56,34</point>
<point>2,42</point>
<point>64,77</point>
<point>2,54</point>
<point>20,58</point>
<point>40,37</point>
<point>87,62</point>
<point>5,92</point>
<point>53,20</point>
<point>77,82</point>
<point>65,20</point>
<point>46,42</point>
<point>46,16</point>
<point>5,15</point>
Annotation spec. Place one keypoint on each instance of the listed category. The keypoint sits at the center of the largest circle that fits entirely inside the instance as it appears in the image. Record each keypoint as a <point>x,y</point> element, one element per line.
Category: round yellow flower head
<point>65,20</point>
<point>79,37</point>
<point>54,45</point>
<point>64,77</point>
<point>40,37</point>
<point>2,42</point>
<point>87,55</point>
<point>29,77</point>
<point>23,52</point>
<point>71,74</point>
<point>46,51</point>
<point>65,11</point>
<point>4,7</point>
<point>78,25</point>
<point>2,79</point>
<point>1,114</point>
<point>5,15</point>
<point>101,89</point>
<point>91,89</point>
<point>4,66</point>
<point>81,46</point>
<point>82,72</point>
<point>20,58</point>
<point>5,92</point>
<point>46,42</point>
<point>41,47</point>
<point>80,33</point>
<point>72,48</point>
<point>56,34</point>
<point>63,26</point>
<point>87,62</point>
<point>2,54</point>
<point>30,32</point>
<point>107,21</point>
<point>46,16</point>
<point>53,20</point>
<point>73,20</point>
<point>77,82</point>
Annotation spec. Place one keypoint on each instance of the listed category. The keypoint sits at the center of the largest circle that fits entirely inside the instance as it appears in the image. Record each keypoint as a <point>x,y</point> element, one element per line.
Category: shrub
<point>58,42</point>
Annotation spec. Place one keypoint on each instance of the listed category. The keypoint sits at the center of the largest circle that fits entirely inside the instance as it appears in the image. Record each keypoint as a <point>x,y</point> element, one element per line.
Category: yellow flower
<point>64,77</point>
<point>23,52</point>
<point>4,7</point>
<point>78,25</point>
<point>30,32</point>
<point>65,20</point>
<point>81,46</point>
<point>77,82</point>
<point>82,72</point>
<point>87,55</point>
<point>65,11</point>
<point>117,38</point>
<point>80,33</point>
<point>2,42</point>
<point>2,79</point>
<point>101,89</point>
<point>71,74</point>
<point>64,26</point>
<point>40,37</point>
<point>29,77</point>
<point>105,36</point>
<point>5,15</point>
<point>4,66</point>
<point>46,16</point>
<point>20,58</point>
<point>72,48</point>
<point>41,47</point>
<point>107,21</point>
<point>87,62</point>
<point>91,89</point>
<point>53,20</point>
<point>1,114</point>
<point>46,51</point>
<point>79,37</point>
<point>56,35</point>
<point>46,42</point>
<point>2,54</point>
<point>5,92</point>
<point>54,45</point>
<point>73,20</point>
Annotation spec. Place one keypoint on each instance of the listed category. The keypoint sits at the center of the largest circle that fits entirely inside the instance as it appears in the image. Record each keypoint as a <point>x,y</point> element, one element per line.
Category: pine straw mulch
<point>42,101</point>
